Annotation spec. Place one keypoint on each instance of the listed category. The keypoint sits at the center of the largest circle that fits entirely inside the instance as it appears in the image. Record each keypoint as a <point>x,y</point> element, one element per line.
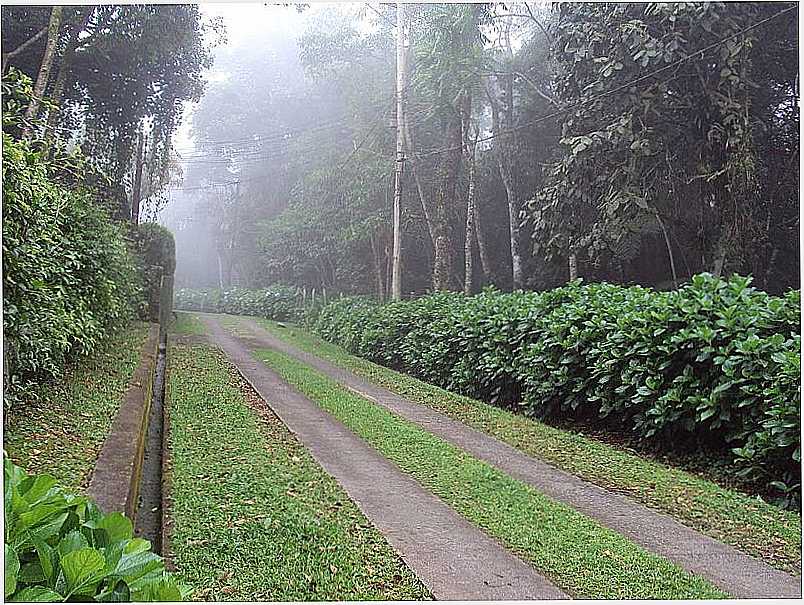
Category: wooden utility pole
<point>137,189</point>
<point>396,271</point>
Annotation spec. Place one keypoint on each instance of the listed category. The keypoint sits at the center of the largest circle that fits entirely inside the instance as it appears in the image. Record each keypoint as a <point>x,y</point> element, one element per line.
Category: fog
<point>262,125</point>
<point>511,176</point>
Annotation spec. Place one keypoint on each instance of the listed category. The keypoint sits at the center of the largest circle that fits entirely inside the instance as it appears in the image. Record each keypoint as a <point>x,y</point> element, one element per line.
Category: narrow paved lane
<point>455,560</point>
<point>738,574</point>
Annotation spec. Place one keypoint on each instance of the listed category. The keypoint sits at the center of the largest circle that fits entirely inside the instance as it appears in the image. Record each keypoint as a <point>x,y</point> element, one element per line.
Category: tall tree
<point>44,69</point>
<point>448,51</point>
<point>659,139</point>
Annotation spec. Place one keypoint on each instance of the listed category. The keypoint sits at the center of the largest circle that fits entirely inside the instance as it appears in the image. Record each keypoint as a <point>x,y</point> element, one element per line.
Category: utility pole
<point>137,189</point>
<point>396,271</point>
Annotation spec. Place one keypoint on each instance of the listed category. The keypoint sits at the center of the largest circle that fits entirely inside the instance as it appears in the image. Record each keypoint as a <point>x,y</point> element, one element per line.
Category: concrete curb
<point>115,480</point>
<point>167,524</point>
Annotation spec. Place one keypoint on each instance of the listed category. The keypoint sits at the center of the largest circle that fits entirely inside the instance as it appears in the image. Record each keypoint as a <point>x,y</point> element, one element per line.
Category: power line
<point>352,154</point>
<point>383,17</point>
<point>278,136</point>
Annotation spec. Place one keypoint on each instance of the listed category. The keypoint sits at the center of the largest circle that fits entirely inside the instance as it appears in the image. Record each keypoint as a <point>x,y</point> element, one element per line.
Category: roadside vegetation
<point>61,425</point>
<point>187,324</point>
<point>277,302</point>
<point>710,368</point>
<point>61,547</point>
<point>744,521</point>
<point>254,517</point>
<point>576,553</point>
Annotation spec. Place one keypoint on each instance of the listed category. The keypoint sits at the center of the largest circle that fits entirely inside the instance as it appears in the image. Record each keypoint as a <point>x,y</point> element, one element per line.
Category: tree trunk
<point>417,179</point>
<point>771,267</point>
<point>136,192</point>
<point>573,266</point>
<point>44,70</point>
<point>485,258</point>
<point>470,232</point>
<point>378,266</point>
<point>388,269</point>
<point>513,224</point>
<point>720,260</point>
<point>669,248</point>
<point>436,212</point>
<point>220,270</point>
<point>721,252</point>
<point>503,154</point>
<point>469,154</point>
<point>447,177</point>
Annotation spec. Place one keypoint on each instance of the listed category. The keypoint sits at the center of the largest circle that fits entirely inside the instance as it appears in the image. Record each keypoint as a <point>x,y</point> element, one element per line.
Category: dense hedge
<point>68,274</point>
<point>715,364</point>
<point>275,302</point>
<point>156,248</point>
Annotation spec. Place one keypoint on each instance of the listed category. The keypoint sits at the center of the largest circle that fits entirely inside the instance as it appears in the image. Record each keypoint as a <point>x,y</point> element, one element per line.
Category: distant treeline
<point>621,142</point>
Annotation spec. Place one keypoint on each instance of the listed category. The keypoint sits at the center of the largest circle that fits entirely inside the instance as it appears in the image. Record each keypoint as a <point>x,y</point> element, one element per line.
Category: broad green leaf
<point>82,567</point>
<point>74,540</point>
<point>132,566</point>
<point>37,594</point>
<point>136,545</point>
<point>31,573</point>
<point>12,567</point>
<point>38,488</point>
<point>48,560</point>
<point>41,513</point>
<point>117,525</point>
<point>163,588</point>
<point>50,529</point>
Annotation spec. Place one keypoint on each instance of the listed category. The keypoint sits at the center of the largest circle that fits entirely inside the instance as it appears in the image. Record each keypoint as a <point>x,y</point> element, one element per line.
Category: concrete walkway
<point>454,559</point>
<point>739,574</point>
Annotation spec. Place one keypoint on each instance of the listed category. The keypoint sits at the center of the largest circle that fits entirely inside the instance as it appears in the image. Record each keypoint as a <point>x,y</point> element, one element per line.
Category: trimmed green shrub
<point>68,274</point>
<point>61,547</point>
<point>156,248</point>
<point>714,365</point>
<point>275,302</point>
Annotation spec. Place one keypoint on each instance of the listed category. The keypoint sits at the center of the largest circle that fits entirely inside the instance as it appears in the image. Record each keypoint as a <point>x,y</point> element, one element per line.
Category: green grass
<point>255,517</point>
<point>187,324</point>
<point>751,525</point>
<point>60,429</point>
<point>576,553</point>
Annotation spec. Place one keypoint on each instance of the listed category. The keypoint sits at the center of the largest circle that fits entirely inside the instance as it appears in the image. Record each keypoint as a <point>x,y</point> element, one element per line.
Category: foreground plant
<point>60,547</point>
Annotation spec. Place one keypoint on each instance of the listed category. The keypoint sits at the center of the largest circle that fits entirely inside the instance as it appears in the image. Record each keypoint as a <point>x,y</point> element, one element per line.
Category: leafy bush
<point>68,274</point>
<point>275,302</point>
<point>714,365</point>
<point>156,248</point>
<point>60,547</point>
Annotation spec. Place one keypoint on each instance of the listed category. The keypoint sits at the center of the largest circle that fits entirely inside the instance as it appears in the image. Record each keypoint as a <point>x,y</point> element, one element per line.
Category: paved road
<point>454,559</point>
<point>738,574</point>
